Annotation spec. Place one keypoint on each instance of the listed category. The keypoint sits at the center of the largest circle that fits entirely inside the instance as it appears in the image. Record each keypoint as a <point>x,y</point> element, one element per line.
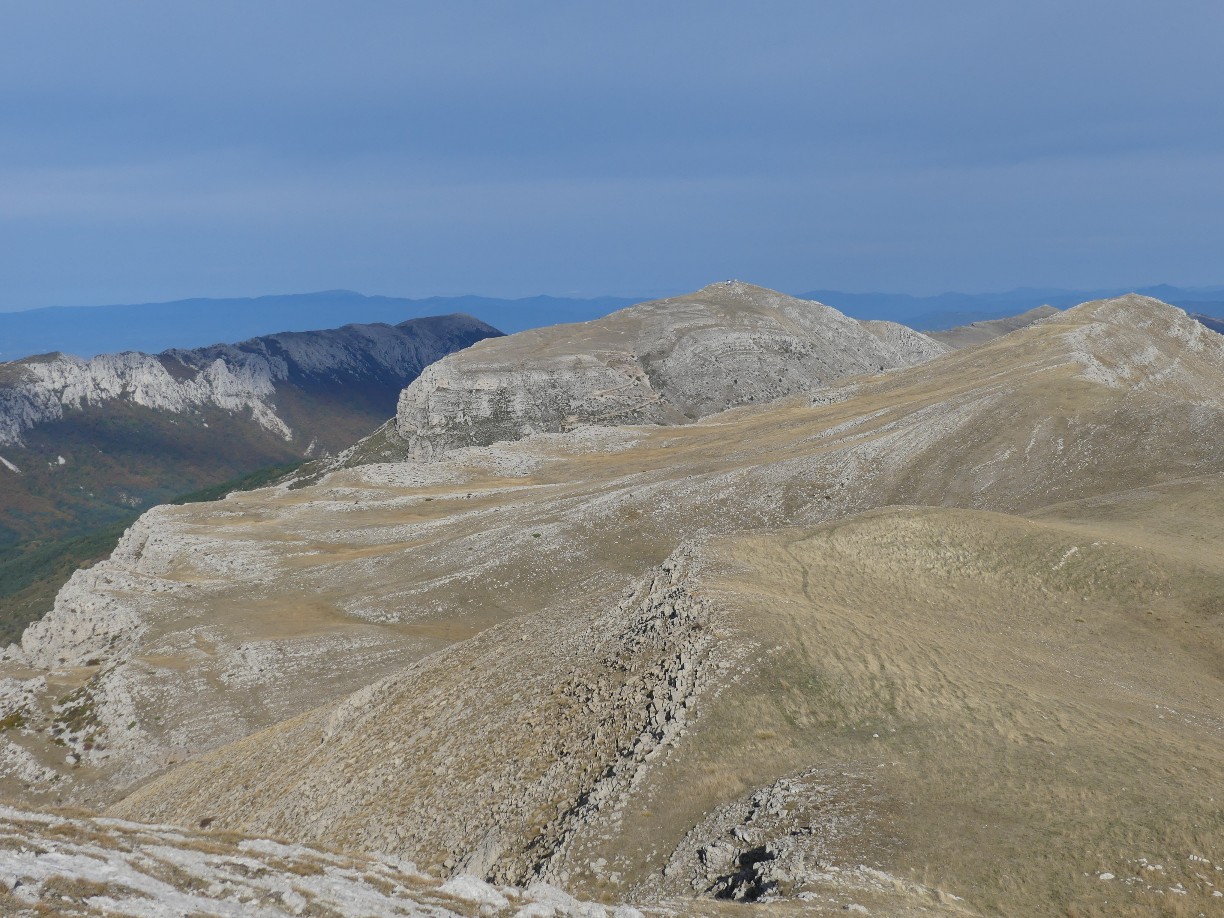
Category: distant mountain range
<point>87,331</point>
<point>949,310</point>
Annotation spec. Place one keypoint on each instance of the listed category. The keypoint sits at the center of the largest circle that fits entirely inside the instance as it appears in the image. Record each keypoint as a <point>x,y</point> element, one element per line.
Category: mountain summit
<point>664,362</point>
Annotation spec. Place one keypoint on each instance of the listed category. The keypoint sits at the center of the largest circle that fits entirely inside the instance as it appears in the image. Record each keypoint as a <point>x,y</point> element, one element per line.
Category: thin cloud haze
<point>153,151</point>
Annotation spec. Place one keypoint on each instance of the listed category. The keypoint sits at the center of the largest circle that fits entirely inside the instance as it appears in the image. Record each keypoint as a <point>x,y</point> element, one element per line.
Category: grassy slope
<point>122,459</point>
<point>32,571</point>
<point>1030,703</point>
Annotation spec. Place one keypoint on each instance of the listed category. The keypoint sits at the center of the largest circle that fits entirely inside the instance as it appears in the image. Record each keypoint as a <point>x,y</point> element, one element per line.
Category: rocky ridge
<point>232,377</point>
<point>989,329</point>
<point>626,684</point>
<point>663,362</point>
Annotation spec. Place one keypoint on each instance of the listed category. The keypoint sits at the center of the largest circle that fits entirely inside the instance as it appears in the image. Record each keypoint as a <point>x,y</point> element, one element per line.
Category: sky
<point>159,150</point>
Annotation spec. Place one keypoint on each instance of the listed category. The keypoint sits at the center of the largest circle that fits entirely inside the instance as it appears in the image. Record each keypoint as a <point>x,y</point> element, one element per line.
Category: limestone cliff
<point>233,377</point>
<point>83,442</point>
<point>662,362</point>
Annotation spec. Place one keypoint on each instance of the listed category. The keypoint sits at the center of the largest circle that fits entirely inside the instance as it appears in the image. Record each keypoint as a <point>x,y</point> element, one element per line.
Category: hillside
<point>662,362</point>
<point>84,442</point>
<point>944,637</point>
<point>988,330</point>
<point>87,444</point>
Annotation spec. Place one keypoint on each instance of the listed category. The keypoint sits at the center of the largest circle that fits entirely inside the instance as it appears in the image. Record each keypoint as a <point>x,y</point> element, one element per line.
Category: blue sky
<point>156,150</point>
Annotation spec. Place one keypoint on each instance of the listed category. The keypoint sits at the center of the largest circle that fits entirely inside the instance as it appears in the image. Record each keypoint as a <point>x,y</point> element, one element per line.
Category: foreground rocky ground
<point>945,638</point>
<point>74,865</point>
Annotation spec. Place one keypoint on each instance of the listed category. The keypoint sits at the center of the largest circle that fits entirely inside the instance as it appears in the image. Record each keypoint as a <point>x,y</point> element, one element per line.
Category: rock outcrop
<point>90,620</point>
<point>662,362</point>
<point>232,377</point>
<point>584,716</point>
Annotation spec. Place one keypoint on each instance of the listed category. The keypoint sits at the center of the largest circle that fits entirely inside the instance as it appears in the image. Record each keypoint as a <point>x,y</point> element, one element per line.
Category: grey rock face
<point>663,362</point>
<point>233,377</point>
<point>775,841</point>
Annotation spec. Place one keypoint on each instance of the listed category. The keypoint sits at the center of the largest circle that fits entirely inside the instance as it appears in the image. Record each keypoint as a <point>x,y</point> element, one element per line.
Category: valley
<point>86,445</point>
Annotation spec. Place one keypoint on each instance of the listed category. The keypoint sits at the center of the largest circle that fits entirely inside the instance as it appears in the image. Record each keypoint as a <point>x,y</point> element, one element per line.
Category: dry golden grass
<point>78,889</point>
<point>1023,723</point>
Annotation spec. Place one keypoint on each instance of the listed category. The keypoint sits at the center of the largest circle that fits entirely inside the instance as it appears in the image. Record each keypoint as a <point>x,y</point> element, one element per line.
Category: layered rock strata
<point>663,362</point>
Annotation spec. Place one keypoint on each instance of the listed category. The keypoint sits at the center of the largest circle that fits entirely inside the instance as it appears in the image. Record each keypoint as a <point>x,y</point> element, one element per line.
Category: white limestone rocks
<point>233,377</point>
<point>79,866</point>
<point>41,390</point>
<point>663,362</point>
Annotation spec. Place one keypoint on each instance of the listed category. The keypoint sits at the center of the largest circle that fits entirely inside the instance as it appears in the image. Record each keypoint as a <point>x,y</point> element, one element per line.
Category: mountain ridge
<point>944,311</point>
<point>664,361</point>
<point>238,376</point>
<point>86,443</point>
<point>839,466</point>
<point>867,641</point>
<point>87,331</point>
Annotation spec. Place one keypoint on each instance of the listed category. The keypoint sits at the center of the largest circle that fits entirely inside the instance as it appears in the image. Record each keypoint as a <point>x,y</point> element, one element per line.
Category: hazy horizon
<point>155,153</point>
<point>1213,289</point>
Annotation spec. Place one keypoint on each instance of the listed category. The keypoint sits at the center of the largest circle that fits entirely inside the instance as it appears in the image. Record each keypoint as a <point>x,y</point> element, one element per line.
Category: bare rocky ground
<point>55,864</point>
<point>945,638</point>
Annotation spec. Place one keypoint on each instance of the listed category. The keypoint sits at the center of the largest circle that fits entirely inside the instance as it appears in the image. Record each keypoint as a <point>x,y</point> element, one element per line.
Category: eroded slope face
<point>666,361</point>
<point>69,865</point>
<point>907,688</point>
<point>906,700</point>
